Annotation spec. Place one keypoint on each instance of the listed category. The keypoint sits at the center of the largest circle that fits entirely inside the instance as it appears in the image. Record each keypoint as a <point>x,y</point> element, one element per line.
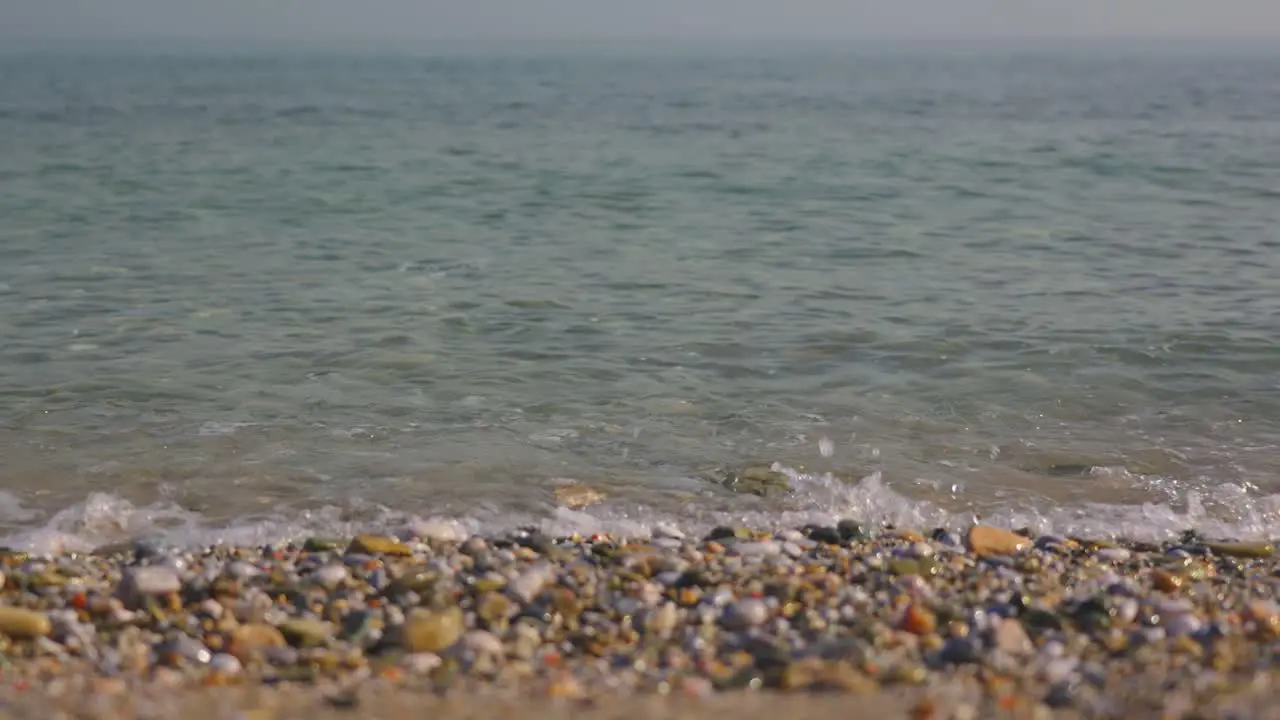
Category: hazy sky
<point>604,19</point>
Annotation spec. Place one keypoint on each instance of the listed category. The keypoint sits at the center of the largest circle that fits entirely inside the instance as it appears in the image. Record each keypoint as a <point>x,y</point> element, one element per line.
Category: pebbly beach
<point>850,619</point>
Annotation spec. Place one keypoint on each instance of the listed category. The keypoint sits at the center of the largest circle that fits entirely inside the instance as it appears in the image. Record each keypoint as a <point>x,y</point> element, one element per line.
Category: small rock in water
<point>378,545</point>
<point>850,530</point>
<point>921,550</point>
<point>1113,555</point>
<point>439,530</point>
<point>663,530</point>
<point>577,496</point>
<point>985,540</point>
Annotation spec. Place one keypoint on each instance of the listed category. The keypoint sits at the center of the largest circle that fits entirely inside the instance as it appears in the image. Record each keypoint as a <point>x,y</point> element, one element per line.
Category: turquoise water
<point>238,287</point>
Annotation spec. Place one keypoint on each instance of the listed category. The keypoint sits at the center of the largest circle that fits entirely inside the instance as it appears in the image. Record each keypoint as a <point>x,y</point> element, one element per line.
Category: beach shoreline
<point>849,619</point>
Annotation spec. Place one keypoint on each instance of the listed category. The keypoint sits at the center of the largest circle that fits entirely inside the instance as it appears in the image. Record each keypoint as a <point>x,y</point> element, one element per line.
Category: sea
<point>248,296</point>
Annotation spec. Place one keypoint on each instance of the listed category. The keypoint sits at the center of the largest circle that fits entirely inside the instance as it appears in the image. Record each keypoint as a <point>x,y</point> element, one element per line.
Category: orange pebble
<point>1166,581</point>
<point>918,620</point>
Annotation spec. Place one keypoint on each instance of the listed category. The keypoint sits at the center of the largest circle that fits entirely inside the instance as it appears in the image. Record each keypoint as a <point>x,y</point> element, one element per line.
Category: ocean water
<point>246,296</point>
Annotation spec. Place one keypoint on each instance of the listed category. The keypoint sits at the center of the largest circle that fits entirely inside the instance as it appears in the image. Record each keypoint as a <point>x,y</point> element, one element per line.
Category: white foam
<point>1226,511</point>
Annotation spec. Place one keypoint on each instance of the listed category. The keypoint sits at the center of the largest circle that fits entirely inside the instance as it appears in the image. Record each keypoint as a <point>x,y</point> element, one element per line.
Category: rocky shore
<point>815,621</point>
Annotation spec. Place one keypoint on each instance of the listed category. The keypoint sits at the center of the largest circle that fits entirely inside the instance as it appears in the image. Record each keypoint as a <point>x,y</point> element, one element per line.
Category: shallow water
<point>275,294</point>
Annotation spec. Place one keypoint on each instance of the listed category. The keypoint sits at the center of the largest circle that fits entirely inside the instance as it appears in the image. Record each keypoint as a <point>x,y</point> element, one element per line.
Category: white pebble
<point>1181,624</point>
<point>421,663</point>
<point>529,583</point>
<point>1113,555</point>
<point>225,664</point>
<point>140,583</point>
<point>663,620</point>
<point>746,613</point>
<point>331,576</point>
<point>667,531</point>
<point>212,608</point>
<point>483,642</point>
<point>1127,610</point>
<point>921,549</point>
<point>792,549</point>
<point>438,529</point>
<point>762,548</point>
<point>1061,669</point>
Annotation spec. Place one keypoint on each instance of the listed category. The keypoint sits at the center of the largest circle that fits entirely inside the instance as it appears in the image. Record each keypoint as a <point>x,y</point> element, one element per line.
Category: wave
<point>1227,511</point>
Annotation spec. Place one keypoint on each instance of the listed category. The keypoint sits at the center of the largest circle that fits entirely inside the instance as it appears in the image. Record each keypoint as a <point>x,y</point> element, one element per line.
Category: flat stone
<point>1113,555</point>
<point>746,613</point>
<point>758,548</point>
<point>378,545</point>
<point>224,664</point>
<point>141,583</point>
<point>23,624</point>
<point>252,639</point>
<point>1242,550</point>
<point>850,530</point>
<point>319,544</point>
<point>576,495</point>
<point>482,642</point>
<point>1010,637</point>
<point>432,631</point>
<point>985,540</point>
<point>302,633</point>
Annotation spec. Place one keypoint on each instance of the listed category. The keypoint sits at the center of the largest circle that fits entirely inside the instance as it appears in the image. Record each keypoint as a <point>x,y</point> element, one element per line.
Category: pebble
<point>432,631</point>
<point>483,643</point>
<point>529,583</point>
<point>22,624</point>
<point>378,545</point>
<point>921,550</point>
<point>1113,555</point>
<point>225,664</point>
<point>252,639</point>
<point>668,531</point>
<point>760,548</point>
<point>304,632</point>
<point>984,540</point>
<point>331,576</point>
<point>746,613</point>
<point>848,608</point>
<point>1010,637</point>
<point>139,584</point>
<point>421,663</point>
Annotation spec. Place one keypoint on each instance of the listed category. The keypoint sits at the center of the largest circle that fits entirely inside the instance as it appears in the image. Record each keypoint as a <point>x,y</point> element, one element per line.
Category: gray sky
<point>604,19</point>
